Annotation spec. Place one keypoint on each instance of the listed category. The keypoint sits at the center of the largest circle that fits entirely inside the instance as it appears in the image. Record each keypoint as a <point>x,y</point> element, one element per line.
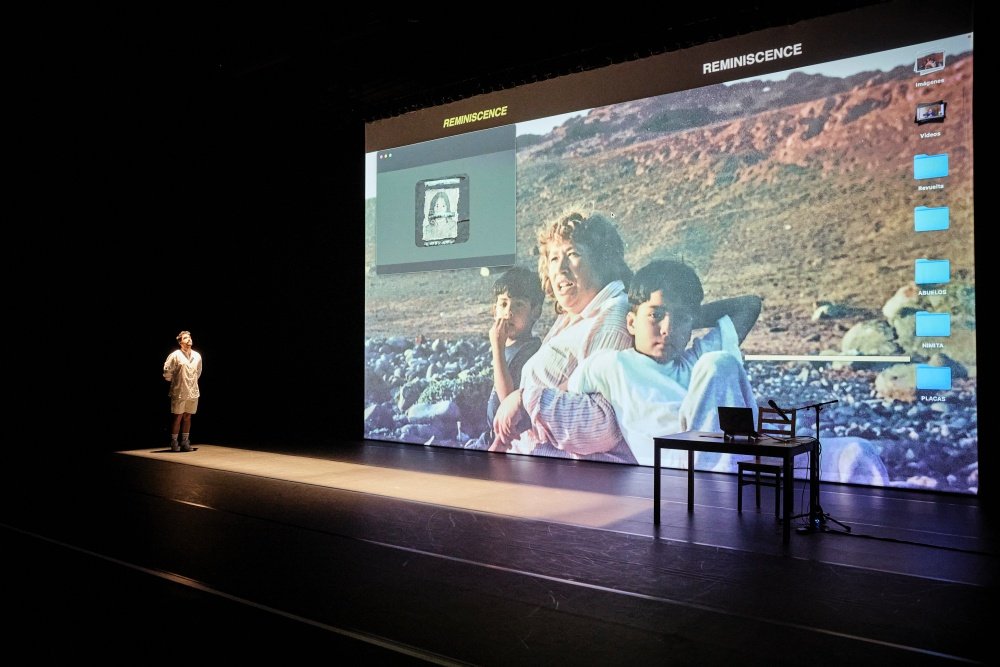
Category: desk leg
<point>815,511</point>
<point>788,489</point>
<point>690,480</point>
<point>656,485</point>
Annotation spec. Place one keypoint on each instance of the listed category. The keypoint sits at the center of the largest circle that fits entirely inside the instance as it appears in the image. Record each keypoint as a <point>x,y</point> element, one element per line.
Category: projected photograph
<point>438,221</point>
<point>756,240</point>
<point>930,112</point>
<point>928,63</point>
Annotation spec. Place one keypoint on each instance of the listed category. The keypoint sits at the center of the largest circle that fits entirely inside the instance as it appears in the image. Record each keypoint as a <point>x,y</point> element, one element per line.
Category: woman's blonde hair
<point>598,234</point>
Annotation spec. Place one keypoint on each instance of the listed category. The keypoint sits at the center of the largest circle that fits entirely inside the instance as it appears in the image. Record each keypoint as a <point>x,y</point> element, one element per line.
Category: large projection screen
<point>824,167</point>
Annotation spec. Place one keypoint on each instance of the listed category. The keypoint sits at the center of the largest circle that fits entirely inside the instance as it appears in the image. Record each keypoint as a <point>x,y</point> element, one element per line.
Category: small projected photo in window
<point>929,62</point>
<point>442,211</point>
<point>930,112</point>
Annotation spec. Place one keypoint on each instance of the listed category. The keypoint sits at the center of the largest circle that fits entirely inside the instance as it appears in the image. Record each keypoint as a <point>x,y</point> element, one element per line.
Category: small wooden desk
<point>786,450</point>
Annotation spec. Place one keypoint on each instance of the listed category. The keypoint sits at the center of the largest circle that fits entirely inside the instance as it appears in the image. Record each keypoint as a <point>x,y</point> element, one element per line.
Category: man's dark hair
<point>679,283</point>
<point>519,283</point>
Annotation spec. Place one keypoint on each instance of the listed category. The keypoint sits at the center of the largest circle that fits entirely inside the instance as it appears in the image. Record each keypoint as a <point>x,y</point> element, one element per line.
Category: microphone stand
<point>817,517</point>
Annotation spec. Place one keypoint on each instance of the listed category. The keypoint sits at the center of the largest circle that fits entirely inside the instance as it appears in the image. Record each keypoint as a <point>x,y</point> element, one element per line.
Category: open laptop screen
<point>737,422</point>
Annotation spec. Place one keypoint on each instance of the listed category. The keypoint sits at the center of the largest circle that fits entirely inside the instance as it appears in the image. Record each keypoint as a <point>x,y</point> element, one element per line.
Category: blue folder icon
<point>933,377</point>
<point>933,324</point>
<point>931,271</point>
<point>930,166</point>
<point>930,218</point>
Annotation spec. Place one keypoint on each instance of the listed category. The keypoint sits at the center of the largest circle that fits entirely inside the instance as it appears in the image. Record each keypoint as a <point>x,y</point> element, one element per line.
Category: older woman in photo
<point>582,267</point>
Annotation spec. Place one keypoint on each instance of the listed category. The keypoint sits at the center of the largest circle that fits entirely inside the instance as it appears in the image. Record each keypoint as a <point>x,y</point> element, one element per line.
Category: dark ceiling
<point>240,112</point>
<point>167,110</point>
<point>375,64</point>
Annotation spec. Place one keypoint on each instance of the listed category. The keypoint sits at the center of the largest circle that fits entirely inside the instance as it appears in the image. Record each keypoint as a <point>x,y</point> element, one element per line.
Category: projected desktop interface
<point>931,275</point>
<point>839,192</point>
<point>446,203</point>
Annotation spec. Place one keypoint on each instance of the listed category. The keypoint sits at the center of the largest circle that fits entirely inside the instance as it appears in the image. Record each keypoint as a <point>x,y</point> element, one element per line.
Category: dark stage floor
<point>400,554</point>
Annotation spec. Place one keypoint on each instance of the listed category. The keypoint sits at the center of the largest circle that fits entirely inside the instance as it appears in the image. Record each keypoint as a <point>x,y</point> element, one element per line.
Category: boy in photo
<point>668,383</point>
<point>516,307</point>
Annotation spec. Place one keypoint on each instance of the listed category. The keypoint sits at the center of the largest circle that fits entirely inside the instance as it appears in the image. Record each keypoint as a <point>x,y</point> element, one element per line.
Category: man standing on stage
<point>182,370</point>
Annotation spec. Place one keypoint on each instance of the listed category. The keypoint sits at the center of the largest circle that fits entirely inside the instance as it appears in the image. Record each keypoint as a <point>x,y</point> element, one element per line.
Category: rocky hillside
<point>801,191</point>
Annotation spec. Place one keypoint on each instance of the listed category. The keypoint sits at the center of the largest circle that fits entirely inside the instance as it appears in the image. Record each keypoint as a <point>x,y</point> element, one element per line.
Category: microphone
<point>781,412</point>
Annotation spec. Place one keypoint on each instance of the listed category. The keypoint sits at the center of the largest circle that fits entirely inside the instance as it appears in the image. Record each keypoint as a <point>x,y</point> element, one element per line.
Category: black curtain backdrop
<point>170,187</point>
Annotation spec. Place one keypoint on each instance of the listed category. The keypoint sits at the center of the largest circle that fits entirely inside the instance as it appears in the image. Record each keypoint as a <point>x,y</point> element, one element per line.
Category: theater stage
<point>405,554</point>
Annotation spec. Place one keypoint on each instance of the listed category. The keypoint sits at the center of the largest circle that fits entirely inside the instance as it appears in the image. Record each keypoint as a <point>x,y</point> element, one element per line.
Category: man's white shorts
<point>180,406</point>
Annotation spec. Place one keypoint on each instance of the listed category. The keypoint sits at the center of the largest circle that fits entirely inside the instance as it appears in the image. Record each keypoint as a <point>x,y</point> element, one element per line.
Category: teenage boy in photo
<point>668,383</point>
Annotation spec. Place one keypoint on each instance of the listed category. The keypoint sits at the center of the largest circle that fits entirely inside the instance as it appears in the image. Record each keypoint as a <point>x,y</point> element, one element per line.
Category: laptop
<point>737,422</point>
